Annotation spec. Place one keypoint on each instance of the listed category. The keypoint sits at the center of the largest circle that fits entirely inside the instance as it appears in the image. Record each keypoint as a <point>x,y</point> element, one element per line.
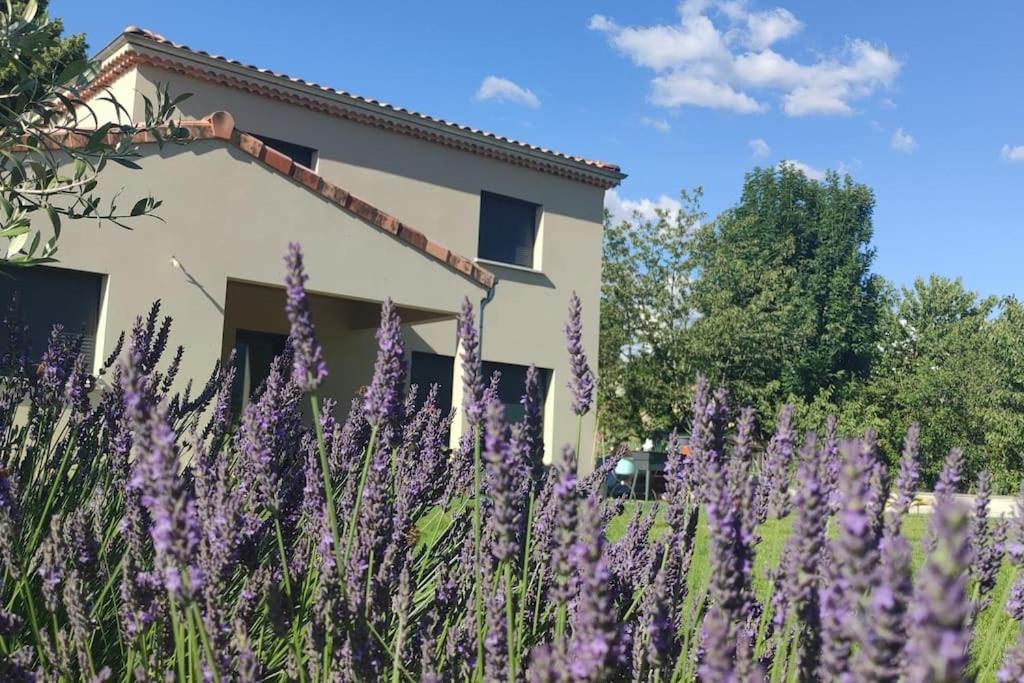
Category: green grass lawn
<point>993,632</point>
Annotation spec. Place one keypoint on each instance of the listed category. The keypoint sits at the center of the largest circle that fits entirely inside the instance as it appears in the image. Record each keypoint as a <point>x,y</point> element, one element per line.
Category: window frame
<point>491,258</point>
<point>92,335</point>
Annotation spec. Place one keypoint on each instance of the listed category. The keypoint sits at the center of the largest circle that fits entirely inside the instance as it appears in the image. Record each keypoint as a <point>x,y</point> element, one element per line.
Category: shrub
<point>146,535</point>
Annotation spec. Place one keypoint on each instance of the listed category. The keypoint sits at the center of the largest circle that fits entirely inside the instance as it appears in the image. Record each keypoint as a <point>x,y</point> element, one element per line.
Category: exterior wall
<point>127,90</point>
<point>435,189</point>
<point>225,217</point>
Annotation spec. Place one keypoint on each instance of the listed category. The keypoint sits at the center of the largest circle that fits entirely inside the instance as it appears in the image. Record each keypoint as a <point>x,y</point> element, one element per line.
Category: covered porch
<point>255,328</point>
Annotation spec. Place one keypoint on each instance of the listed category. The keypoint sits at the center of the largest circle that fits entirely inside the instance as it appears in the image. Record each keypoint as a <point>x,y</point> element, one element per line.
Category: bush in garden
<point>147,534</point>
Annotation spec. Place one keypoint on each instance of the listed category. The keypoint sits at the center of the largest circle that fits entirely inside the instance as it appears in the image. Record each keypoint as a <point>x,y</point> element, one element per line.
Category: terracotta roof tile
<point>221,126</point>
<point>611,172</point>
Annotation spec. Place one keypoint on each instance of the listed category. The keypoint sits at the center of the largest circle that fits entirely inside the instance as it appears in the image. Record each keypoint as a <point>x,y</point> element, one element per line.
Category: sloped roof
<point>221,126</point>
<point>297,91</point>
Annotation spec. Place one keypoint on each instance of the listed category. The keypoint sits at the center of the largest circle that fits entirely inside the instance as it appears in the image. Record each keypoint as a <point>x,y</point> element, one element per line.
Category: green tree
<point>52,145</point>
<point>46,64</point>
<point>645,376</point>
<point>785,298</point>
<point>954,362</point>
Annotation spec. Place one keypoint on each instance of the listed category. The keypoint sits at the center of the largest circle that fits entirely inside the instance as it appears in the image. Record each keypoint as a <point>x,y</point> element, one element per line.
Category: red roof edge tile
<point>220,125</point>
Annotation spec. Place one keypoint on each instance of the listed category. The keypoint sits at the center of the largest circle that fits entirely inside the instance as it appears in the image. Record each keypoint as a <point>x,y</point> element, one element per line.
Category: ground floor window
<point>430,368</point>
<point>512,385</point>
<point>254,352</point>
<point>46,297</point>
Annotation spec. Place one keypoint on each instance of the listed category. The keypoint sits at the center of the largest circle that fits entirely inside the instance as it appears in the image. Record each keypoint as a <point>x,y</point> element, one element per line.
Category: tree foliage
<point>646,385</point>
<point>955,362</point>
<point>57,54</point>
<point>776,300</point>
<point>53,145</point>
<point>785,299</point>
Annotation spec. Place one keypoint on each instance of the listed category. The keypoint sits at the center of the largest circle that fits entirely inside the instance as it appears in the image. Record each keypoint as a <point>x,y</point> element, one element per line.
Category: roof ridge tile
<point>163,40</point>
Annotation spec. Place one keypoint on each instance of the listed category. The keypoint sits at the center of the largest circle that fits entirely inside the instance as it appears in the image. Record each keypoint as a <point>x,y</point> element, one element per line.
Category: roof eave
<point>607,178</point>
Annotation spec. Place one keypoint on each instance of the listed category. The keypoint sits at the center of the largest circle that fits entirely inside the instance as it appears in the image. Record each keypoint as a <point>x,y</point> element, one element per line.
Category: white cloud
<point>503,90</point>
<point>759,147</point>
<point>808,170</point>
<point>1013,153</point>
<point>660,125</point>
<point>645,209</point>
<point>679,88</point>
<point>903,141</point>
<point>766,28</point>
<point>729,65</point>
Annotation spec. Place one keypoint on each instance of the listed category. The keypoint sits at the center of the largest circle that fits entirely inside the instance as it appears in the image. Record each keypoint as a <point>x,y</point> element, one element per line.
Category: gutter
<point>483,304</point>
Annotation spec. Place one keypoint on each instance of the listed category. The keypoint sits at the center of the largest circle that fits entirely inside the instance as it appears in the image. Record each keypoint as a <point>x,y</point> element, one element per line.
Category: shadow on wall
<point>195,283</point>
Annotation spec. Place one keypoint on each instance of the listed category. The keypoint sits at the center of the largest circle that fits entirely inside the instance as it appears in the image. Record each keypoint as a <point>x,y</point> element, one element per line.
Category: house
<point>386,202</point>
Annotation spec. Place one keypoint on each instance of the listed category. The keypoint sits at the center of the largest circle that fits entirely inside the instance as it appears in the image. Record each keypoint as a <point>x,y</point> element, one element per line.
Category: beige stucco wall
<point>227,219</point>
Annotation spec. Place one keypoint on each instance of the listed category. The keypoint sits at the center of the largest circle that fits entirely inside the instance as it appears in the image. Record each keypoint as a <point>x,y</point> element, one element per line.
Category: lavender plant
<point>149,534</point>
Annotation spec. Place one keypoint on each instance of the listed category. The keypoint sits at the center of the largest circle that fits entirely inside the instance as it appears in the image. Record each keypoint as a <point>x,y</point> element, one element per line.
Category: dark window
<point>254,352</point>
<point>428,369</point>
<point>508,229</point>
<point>304,156</point>
<point>511,386</point>
<point>48,296</point>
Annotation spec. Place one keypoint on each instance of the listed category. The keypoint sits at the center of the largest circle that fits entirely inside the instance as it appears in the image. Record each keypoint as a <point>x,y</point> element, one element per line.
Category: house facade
<point>385,203</point>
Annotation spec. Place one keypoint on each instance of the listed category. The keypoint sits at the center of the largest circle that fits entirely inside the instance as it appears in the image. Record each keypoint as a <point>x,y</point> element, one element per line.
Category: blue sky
<point>922,101</point>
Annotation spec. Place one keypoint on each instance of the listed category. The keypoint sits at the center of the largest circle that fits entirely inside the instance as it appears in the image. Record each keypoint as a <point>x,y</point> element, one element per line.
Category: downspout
<point>483,304</point>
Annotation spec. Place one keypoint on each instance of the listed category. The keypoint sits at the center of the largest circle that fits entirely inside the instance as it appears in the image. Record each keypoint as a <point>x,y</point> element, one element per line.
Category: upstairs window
<point>303,156</point>
<point>50,296</point>
<point>508,229</point>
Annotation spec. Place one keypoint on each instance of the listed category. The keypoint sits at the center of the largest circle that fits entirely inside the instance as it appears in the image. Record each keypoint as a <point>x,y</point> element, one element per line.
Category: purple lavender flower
<point>77,389</point>
<point>774,496</point>
<point>10,519</point>
<point>987,548</point>
<point>836,614</point>
<point>472,371</point>
<point>939,634</point>
<point>174,529</point>
<point>947,485</point>
<point>1012,670</point>
<point>581,381</point>
<point>115,353</point>
<point>830,451</point>
<point>504,523</point>
<point>55,367</point>
<point>533,428</point>
<point>172,370</point>
<point>562,512</point>
<point>952,469</point>
<point>856,545</point>
<point>800,578</point>
<point>267,440</point>
<point>907,479</point>
<point>884,634</point>
<point>658,617</point>
<point>15,357</point>
<point>730,549</point>
<point>594,625</point>
<point>309,368</point>
<point>384,396</point>
<point>496,643</point>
